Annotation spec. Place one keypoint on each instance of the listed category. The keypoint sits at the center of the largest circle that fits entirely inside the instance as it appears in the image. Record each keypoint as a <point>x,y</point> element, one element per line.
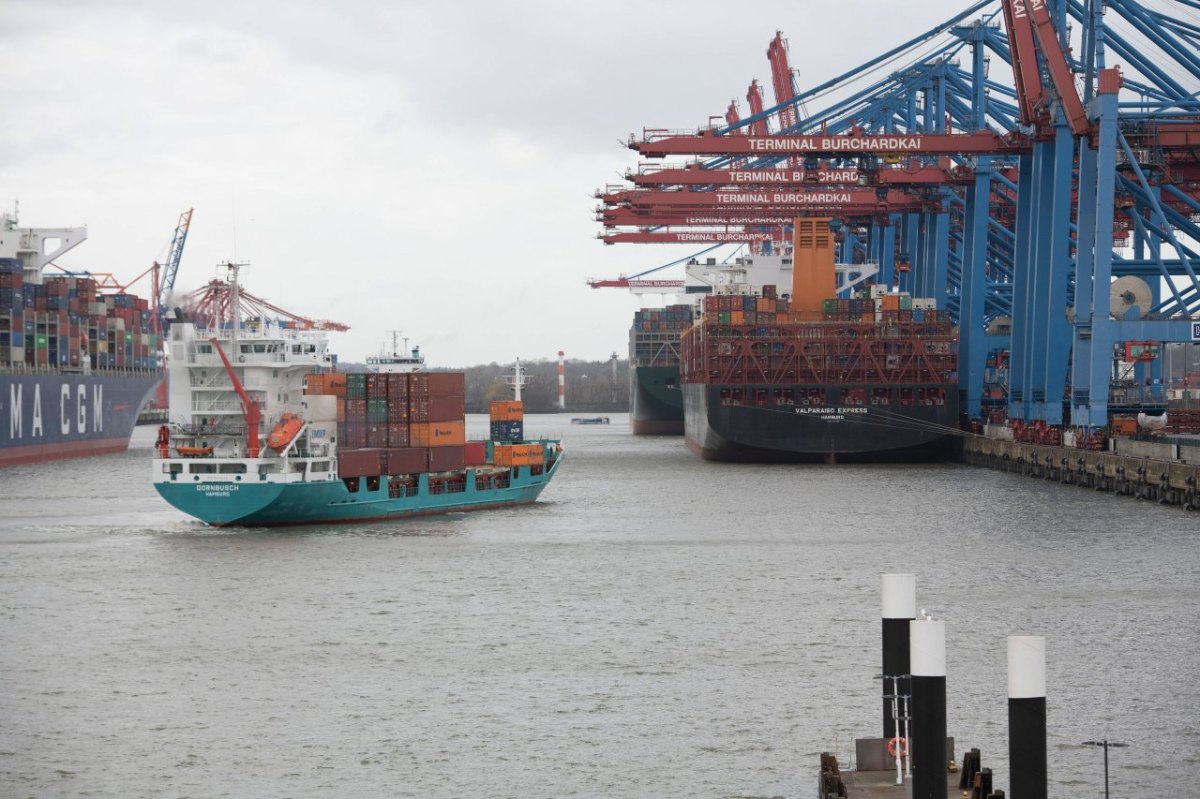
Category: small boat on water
<point>589,420</point>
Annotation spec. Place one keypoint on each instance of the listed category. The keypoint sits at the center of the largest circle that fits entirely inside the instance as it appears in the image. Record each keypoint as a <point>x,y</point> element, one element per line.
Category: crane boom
<point>163,289</point>
<point>249,409</point>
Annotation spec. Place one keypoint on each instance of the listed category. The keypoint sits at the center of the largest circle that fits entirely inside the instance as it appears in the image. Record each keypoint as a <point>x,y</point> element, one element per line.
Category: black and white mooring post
<point>1027,716</point>
<point>927,642</point>
<point>899,594</point>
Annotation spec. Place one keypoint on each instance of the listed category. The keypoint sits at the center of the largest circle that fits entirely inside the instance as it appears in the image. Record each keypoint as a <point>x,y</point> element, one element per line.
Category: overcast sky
<point>426,166</point>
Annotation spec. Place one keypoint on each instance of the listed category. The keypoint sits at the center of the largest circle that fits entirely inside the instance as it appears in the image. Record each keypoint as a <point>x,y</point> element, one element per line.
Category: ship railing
<point>59,369</point>
<point>215,405</point>
<point>220,380</point>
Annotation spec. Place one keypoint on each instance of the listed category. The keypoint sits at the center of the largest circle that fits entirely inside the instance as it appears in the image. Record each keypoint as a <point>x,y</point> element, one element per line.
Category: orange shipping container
<point>891,302</point>
<point>341,409</point>
<point>438,434</point>
<point>737,317</point>
<point>335,384</point>
<point>325,383</point>
<point>507,411</point>
<point>516,454</point>
<point>502,455</point>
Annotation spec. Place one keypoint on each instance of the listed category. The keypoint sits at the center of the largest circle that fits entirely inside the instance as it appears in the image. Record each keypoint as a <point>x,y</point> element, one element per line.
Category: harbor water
<point>654,626</point>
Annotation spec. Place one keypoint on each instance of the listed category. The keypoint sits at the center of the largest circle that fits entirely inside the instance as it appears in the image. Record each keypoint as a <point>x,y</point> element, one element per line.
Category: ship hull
<point>815,434</point>
<point>45,417</point>
<point>655,401</point>
<point>274,504</point>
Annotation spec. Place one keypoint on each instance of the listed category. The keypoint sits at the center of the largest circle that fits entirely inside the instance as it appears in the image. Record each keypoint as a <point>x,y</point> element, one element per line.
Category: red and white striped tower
<point>562,381</point>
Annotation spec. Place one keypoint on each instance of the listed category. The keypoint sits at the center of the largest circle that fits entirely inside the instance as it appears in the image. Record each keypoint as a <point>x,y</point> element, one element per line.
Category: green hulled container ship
<point>264,431</point>
<point>655,401</point>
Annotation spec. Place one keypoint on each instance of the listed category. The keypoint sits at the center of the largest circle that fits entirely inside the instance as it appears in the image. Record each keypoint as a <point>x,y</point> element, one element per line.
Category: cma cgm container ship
<point>263,432</point>
<point>76,364</point>
<point>821,379</point>
<point>655,401</point>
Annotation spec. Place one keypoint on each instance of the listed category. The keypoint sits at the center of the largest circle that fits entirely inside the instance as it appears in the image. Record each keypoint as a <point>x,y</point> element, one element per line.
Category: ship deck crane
<point>250,409</point>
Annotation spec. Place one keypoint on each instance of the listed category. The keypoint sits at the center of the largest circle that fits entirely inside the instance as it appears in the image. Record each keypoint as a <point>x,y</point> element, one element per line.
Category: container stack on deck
<point>889,345</point>
<point>508,446</point>
<point>507,420</point>
<point>65,322</point>
<point>399,423</point>
<point>654,337</point>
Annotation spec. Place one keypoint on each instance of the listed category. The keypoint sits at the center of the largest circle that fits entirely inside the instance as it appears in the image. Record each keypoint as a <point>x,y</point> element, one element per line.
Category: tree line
<point>599,386</point>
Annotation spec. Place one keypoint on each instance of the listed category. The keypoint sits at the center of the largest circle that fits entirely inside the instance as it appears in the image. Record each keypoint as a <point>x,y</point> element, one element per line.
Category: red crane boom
<point>249,409</point>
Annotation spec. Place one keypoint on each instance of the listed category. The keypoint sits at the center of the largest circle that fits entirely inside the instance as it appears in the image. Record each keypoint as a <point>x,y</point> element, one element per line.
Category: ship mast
<point>517,380</point>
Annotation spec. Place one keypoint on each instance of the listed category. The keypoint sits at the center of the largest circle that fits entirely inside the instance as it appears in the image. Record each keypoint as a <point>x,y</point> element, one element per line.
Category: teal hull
<point>269,504</point>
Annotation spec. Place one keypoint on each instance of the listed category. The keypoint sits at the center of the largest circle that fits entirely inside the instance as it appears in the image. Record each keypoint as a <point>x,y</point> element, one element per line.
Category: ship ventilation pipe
<point>1027,716</point>
<point>927,639</point>
<point>562,381</point>
<point>899,608</point>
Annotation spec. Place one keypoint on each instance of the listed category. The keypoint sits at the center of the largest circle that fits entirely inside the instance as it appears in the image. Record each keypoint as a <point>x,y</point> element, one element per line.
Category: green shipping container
<point>42,341</point>
<point>905,303</point>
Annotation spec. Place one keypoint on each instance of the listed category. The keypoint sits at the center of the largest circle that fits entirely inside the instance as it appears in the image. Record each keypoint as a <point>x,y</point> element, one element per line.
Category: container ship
<point>76,363</point>
<point>655,396</point>
<point>264,432</point>
<point>655,399</point>
<point>813,378</point>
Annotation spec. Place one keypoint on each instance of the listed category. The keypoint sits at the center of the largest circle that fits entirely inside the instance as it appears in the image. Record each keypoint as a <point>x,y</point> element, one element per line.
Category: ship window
<point>172,468</point>
<point>260,347</point>
<point>232,468</point>
<point>296,349</point>
<point>207,348</point>
<point>320,466</point>
<point>202,468</point>
<point>247,348</point>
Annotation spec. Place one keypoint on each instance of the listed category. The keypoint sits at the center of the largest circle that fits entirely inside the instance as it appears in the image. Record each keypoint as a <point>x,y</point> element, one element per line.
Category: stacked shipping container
<point>747,309</point>
<point>654,337</point>
<point>65,322</point>
<point>399,423</point>
<point>507,420</point>
<point>890,352</point>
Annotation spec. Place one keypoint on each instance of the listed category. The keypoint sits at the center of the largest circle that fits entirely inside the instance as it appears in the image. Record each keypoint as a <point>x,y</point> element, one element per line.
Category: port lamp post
<point>1105,743</point>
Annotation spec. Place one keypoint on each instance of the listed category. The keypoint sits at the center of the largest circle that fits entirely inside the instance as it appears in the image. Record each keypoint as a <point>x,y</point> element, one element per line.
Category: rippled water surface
<point>654,626</point>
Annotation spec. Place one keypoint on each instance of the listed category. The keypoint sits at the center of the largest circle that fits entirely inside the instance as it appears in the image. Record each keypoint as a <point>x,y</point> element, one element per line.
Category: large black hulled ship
<point>872,378</point>
<point>655,401</point>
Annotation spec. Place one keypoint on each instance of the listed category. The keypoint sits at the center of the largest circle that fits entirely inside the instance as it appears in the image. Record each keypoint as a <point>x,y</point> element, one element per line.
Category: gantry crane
<point>1016,195</point>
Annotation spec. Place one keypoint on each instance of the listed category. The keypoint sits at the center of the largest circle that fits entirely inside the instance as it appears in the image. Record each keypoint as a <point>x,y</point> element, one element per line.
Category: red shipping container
<point>377,435</point>
<point>445,409</point>
<point>359,463</point>
<point>397,386</point>
<point>377,386</point>
<point>410,460</point>
<point>397,410</point>
<point>437,384</point>
<point>397,434</point>
<point>444,459</point>
<point>356,410</point>
<point>356,435</point>
<point>475,453</point>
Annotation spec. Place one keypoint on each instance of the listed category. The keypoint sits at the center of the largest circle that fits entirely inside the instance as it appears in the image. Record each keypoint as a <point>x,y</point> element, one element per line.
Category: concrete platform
<point>882,785</point>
